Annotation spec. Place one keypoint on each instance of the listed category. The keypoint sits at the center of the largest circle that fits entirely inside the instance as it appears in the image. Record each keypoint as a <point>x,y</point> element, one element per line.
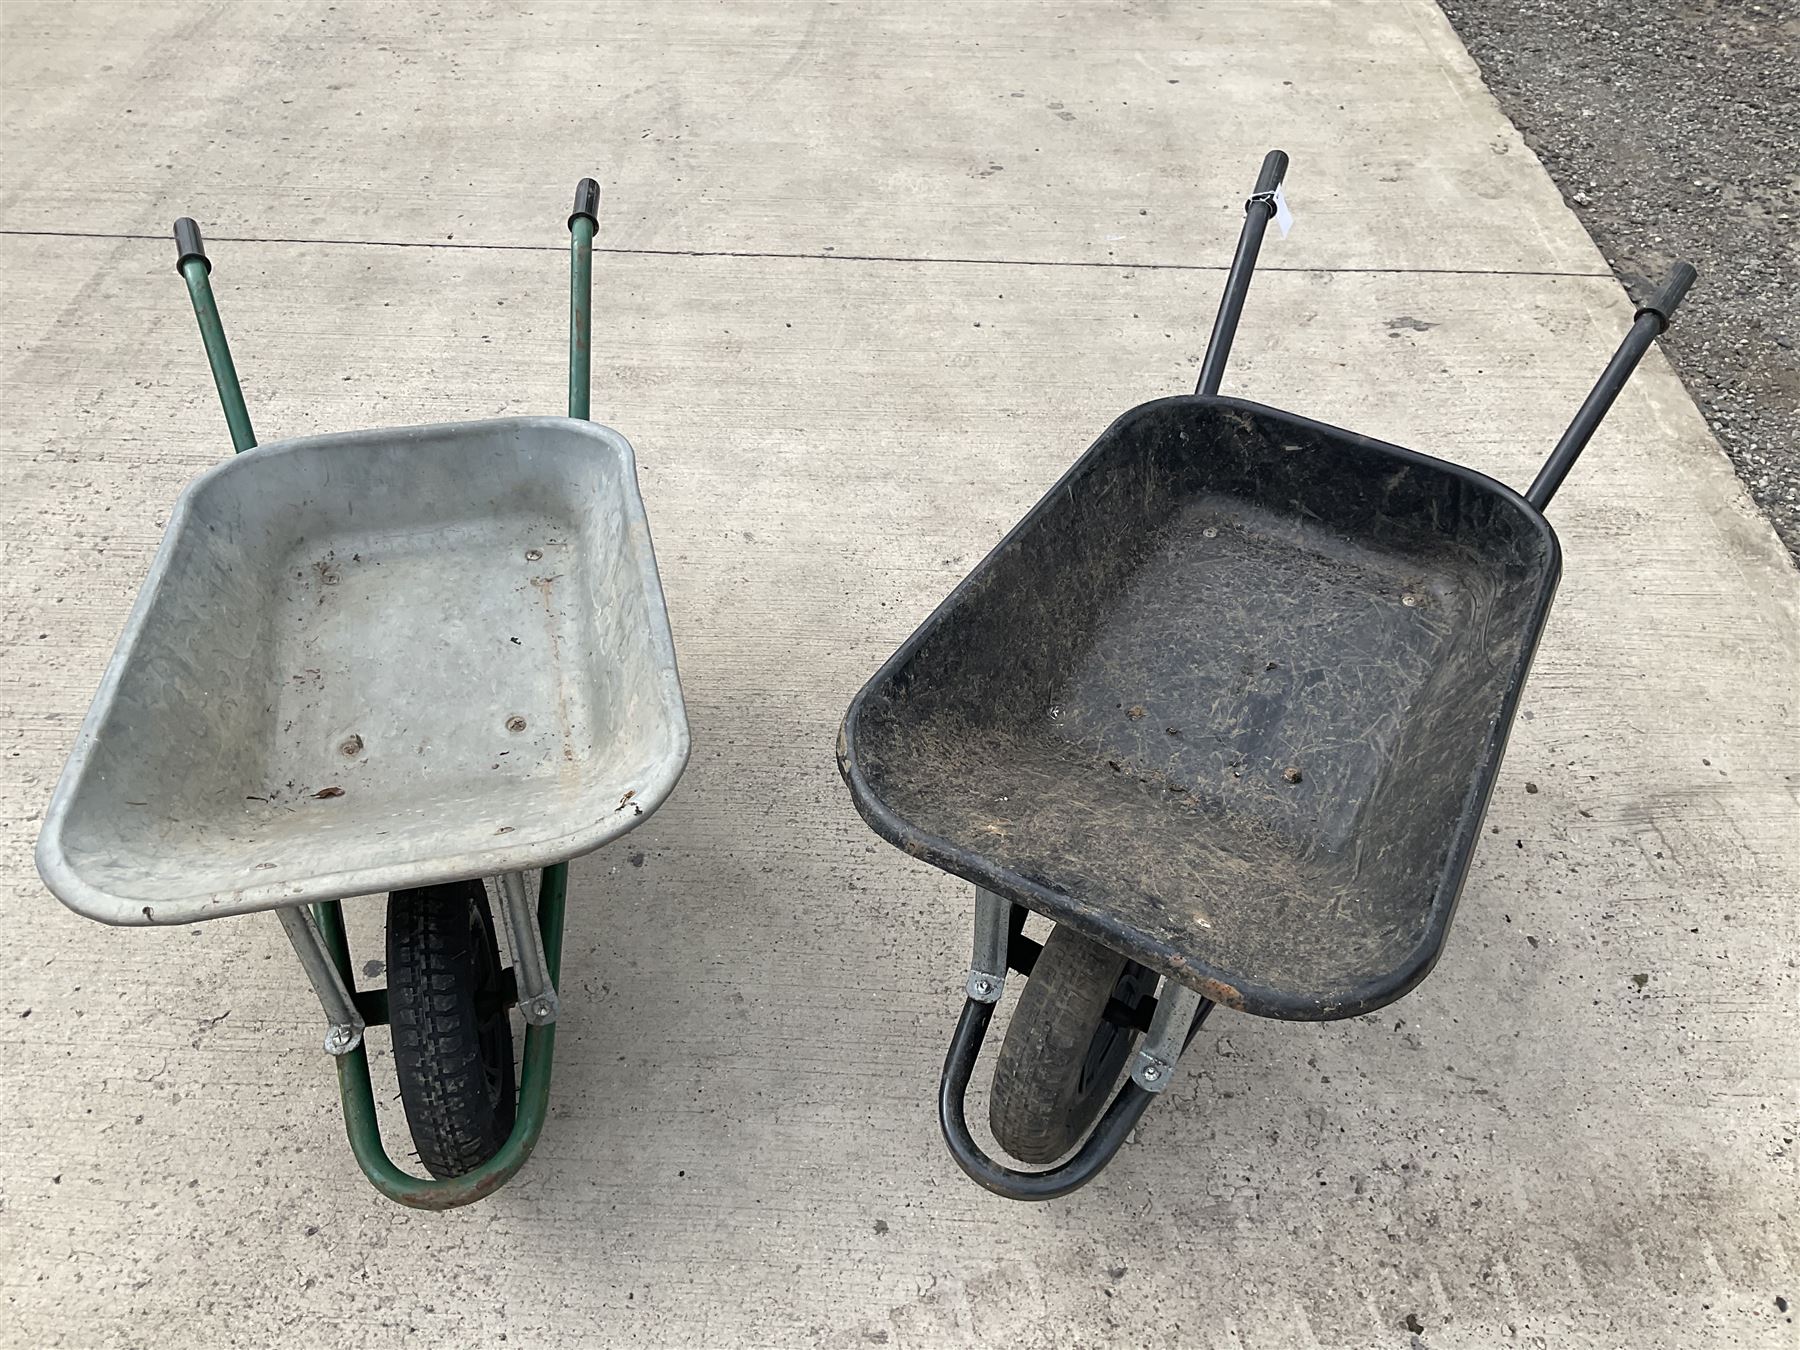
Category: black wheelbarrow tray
<point>1227,705</point>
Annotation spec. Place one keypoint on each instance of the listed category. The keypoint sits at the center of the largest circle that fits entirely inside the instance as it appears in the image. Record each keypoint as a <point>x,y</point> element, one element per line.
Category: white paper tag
<point>1284,218</point>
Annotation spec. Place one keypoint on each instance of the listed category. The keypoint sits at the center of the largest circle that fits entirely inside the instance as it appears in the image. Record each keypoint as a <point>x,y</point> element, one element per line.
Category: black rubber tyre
<point>453,1049</point>
<point>1056,1068</point>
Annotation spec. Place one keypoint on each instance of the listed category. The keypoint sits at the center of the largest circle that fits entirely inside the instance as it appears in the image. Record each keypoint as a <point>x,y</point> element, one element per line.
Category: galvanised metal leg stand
<point>323,924</point>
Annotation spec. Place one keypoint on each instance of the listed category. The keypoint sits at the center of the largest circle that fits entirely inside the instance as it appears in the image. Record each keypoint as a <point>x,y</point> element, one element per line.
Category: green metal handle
<point>583,222</point>
<point>196,269</point>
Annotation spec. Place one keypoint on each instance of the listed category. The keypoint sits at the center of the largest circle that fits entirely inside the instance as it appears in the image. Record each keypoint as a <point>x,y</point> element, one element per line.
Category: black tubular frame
<point>1081,1167</point>
<point>1102,1143</point>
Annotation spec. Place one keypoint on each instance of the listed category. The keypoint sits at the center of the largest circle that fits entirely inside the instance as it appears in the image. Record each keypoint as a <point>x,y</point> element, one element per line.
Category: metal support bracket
<point>1179,1011</point>
<point>537,991</point>
<point>344,1029</point>
<point>993,929</point>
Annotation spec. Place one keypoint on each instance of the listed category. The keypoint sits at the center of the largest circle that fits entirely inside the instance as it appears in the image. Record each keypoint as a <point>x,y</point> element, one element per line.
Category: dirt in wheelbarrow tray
<point>1672,128</point>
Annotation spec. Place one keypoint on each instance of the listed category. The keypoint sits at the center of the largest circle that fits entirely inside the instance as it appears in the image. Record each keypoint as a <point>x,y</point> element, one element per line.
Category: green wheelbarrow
<point>426,661</point>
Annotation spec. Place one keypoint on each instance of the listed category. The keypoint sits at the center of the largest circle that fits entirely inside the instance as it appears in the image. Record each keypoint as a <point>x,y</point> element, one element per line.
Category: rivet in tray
<point>1210,533</point>
<point>534,555</point>
<point>1410,600</point>
<point>352,747</point>
<point>515,723</point>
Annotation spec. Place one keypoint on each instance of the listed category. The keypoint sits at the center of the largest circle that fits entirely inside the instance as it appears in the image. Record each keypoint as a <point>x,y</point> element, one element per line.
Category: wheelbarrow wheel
<point>453,1049</point>
<point>1062,1053</point>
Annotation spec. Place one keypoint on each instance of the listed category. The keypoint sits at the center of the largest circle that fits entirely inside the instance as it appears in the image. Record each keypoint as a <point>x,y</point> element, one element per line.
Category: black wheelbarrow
<point>1227,707</point>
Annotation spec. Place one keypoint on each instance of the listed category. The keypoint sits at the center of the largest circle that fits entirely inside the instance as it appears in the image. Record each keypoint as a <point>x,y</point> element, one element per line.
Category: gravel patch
<point>1673,129</point>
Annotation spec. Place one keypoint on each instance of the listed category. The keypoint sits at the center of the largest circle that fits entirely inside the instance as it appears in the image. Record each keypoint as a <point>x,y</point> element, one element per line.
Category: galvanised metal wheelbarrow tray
<point>395,660</point>
<point>1227,706</point>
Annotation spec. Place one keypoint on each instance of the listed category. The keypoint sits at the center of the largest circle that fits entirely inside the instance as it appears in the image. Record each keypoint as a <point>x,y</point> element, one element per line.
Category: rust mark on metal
<point>1225,995</point>
<point>326,570</point>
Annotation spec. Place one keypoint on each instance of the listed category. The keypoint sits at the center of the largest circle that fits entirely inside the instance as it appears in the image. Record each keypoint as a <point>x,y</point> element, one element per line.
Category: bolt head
<point>984,986</point>
<point>541,1007</point>
<point>1152,1073</point>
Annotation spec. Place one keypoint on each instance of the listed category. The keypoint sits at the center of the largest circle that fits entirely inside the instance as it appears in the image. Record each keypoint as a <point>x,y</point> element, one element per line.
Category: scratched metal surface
<point>1228,700</point>
<point>376,660</point>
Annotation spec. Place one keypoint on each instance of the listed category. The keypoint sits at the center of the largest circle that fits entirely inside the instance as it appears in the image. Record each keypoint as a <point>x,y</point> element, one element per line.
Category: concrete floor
<point>1657,119</point>
<point>875,278</point>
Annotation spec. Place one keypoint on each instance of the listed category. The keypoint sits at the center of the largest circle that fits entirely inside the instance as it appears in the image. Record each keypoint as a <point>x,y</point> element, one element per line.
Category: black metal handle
<point>1243,266</point>
<point>188,244</point>
<point>1666,300</point>
<point>587,203</point>
<point>1652,319</point>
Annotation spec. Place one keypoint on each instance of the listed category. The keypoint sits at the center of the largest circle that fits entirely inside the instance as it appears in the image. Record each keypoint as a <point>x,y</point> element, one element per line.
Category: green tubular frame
<point>358,1092</point>
<point>354,1085</point>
